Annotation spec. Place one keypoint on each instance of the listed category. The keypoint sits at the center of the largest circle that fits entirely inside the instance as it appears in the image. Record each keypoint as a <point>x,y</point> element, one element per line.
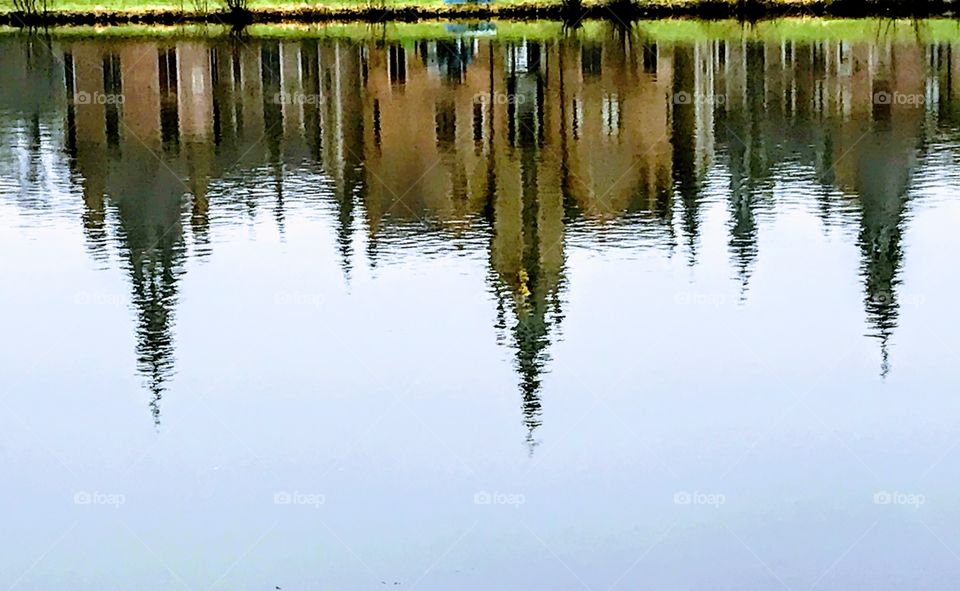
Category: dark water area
<point>480,312</point>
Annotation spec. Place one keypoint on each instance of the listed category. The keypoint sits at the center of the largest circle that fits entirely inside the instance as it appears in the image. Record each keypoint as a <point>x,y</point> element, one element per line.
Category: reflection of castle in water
<point>832,106</point>
<point>515,140</point>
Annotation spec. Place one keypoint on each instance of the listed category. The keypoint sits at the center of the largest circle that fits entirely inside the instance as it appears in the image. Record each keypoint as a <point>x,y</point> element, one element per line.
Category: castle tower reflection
<point>523,142</point>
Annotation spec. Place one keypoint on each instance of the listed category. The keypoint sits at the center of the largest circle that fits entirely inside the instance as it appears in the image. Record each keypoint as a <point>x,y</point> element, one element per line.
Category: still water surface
<point>597,312</point>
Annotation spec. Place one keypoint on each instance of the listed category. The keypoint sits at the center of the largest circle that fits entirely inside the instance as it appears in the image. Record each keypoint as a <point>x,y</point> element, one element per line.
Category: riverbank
<point>173,12</point>
<point>671,30</point>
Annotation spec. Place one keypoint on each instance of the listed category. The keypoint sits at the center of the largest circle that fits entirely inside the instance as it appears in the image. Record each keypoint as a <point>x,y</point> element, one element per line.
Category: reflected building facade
<point>522,142</point>
<point>855,115</point>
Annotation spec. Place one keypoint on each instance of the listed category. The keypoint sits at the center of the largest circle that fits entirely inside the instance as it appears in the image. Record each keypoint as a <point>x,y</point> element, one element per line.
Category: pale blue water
<point>585,313</point>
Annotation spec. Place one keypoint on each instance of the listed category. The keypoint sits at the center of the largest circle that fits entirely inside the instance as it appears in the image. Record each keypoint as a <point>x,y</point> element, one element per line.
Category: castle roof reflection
<point>515,146</point>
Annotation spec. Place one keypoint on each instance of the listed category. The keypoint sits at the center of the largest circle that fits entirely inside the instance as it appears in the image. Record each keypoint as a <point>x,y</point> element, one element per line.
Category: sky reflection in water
<point>479,312</point>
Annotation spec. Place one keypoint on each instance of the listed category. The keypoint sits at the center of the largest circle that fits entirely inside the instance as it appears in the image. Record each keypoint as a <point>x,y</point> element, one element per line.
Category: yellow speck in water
<point>522,277</point>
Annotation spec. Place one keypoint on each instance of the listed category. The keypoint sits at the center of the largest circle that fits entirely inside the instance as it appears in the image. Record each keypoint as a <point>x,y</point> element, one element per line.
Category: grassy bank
<point>935,30</point>
<point>245,12</point>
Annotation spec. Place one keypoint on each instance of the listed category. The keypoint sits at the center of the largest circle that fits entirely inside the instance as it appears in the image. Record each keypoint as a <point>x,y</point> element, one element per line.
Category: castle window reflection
<point>610,114</point>
<point>397,64</point>
<point>169,115</point>
<point>112,88</point>
<point>650,55</point>
<point>446,121</point>
<point>591,60</point>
